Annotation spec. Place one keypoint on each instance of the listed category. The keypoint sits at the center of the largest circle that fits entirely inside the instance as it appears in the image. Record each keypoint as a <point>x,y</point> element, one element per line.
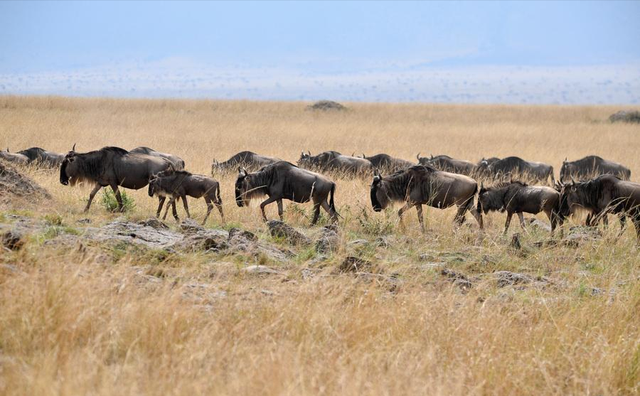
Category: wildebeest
<point>42,157</point>
<point>515,166</point>
<point>180,184</point>
<point>448,164</point>
<point>602,195</point>
<point>16,158</point>
<point>482,167</point>
<point>110,166</point>
<point>333,161</point>
<point>178,163</point>
<point>244,159</point>
<point>591,166</point>
<point>388,163</point>
<point>424,185</point>
<point>517,197</point>
<point>283,180</point>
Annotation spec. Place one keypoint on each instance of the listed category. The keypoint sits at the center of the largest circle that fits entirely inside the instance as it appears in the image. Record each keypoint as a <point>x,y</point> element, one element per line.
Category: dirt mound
<point>625,116</point>
<point>13,184</point>
<point>326,105</point>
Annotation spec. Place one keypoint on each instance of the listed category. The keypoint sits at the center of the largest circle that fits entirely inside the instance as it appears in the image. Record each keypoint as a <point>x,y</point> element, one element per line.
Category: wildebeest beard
<point>587,195</point>
<point>256,186</point>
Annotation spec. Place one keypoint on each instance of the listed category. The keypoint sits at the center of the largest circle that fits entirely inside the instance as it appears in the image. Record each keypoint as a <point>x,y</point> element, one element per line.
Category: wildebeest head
<point>379,196</point>
<point>566,170</point>
<point>69,170</point>
<point>153,185</point>
<point>573,196</point>
<point>490,199</point>
<point>245,187</point>
<point>424,160</point>
<point>305,159</point>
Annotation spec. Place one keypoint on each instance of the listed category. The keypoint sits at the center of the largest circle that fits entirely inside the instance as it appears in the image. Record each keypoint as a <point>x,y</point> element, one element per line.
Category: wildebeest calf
<point>180,184</point>
<point>517,197</point>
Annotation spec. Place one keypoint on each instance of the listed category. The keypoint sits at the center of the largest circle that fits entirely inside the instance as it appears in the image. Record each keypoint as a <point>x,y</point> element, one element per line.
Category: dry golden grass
<point>98,320</point>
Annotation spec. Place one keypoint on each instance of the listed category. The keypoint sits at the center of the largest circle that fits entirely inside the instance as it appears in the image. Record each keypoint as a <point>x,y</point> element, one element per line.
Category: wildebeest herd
<point>592,184</point>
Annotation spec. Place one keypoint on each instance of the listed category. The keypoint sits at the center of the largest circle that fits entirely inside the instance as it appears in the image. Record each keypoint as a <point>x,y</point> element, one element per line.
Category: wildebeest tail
<point>331,204</point>
<point>218,195</point>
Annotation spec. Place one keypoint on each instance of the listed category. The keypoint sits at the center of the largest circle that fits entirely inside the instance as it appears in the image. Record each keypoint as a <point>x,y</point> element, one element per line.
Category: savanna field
<point>430,313</point>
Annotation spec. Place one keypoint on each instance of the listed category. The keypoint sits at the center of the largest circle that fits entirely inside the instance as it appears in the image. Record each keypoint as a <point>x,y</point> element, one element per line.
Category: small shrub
<point>53,219</point>
<point>374,225</point>
<point>110,202</point>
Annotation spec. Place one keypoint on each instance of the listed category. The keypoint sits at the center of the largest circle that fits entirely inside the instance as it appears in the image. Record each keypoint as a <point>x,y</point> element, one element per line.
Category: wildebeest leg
<point>316,212</point>
<point>265,203</point>
<point>209,207</point>
<point>552,219</point>
<point>403,209</point>
<point>186,206</point>
<point>636,223</point>
<point>174,210</point>
<point>116,191</point>
<point>160,203</point>
<point>91,195</point>
<point>521,217</point>
<point>328,209</point>
<point>166,211</point>
<point>506,225</point>
<point>280,210</point>
<point>478,216</point>
<point>459,219</point>
<point>420,218</point>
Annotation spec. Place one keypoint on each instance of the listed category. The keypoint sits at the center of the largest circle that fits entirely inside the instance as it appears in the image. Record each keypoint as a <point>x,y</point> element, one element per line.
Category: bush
<point>110,202</point>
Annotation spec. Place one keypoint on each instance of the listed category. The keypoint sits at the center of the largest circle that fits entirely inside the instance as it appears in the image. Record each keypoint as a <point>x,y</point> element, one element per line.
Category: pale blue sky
<point>319,38</point>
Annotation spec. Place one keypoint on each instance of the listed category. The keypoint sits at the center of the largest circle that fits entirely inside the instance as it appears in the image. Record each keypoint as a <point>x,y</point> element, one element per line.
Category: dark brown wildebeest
<point>333,161</point>
<point>16,158</point>
<point>602,195</point>
<point>517,197</point>
<point>590,167</point>
<point>448,164</point>
<point>482,167</point>
<point>110,166</point>
<point>42,157</point>
<point>178,163</point>
<point>180,184</point>
<point>424,185</point>
<point>244,159</point>
<point>387,163</point>
<point>283,180</point>
<point>510,167</point>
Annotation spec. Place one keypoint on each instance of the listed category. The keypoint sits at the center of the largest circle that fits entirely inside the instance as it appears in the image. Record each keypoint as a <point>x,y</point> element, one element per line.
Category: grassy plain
<point>83,320</point>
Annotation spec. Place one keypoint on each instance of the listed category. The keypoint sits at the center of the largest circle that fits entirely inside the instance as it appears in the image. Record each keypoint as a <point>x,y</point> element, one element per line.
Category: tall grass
<point>87,318</point>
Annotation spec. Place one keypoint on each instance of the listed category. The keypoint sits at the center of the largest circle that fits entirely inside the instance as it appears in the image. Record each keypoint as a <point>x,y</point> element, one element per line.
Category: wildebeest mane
<point>33,153</point>
<point>92,165</point>
<point>401,182</point>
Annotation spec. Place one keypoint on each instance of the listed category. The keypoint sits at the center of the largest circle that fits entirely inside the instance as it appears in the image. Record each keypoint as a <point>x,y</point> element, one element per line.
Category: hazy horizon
<point>449,52</point>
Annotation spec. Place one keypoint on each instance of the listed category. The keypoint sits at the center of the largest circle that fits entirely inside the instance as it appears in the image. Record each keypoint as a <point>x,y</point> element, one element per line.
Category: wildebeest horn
<point>565,159</point>
<point>431,156</point>
<point>418,156</point>
<point>74,147</point>
<point>7,149</point>
<point>376,172</point>
<point>364,156</point>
